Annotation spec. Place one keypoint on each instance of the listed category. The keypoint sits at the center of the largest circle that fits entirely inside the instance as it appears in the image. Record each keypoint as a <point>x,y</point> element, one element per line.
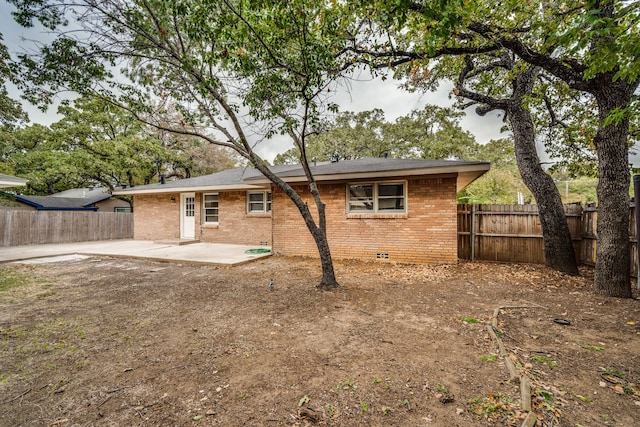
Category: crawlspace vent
<point>382,255</point>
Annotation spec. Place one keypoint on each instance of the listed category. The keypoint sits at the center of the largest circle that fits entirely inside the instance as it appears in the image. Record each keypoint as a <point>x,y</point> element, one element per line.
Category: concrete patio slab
<point>196,253</point>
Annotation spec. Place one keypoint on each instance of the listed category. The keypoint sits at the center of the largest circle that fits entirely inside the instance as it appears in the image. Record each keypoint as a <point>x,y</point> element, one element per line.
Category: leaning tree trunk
<point>612,275</point>
<point>558,247</point>
<point>318,232</point>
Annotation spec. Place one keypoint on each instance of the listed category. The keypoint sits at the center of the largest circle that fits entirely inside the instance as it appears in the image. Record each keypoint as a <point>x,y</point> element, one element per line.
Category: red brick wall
<point>427,233</point>
<point>235,225</point>
<point>156,217</point>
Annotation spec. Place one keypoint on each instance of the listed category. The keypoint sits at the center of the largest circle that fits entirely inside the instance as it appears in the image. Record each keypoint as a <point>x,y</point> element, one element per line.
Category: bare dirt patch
<point>115,342</point>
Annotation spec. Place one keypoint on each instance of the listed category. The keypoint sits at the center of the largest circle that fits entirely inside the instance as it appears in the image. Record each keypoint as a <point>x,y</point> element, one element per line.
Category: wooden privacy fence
<point>38,227</point>
<point>512,233</point>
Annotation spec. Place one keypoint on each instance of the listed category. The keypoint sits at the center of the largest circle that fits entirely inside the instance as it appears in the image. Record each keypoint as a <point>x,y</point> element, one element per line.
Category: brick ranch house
<point>400,210</point>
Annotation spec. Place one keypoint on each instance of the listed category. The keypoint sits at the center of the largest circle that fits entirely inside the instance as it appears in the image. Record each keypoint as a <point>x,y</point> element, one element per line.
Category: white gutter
<point>11,183</point>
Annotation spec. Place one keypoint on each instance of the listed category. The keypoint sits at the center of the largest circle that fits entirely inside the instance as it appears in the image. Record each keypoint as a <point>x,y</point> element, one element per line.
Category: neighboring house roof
<point>11,181</point>
<point>370,168</point>
<point>77,199</point>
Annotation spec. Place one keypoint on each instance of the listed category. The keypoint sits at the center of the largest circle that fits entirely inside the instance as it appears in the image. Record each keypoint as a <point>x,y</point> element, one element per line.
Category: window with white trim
<point>210,208</point>
<point>259,202</point>
<point>377,197</point>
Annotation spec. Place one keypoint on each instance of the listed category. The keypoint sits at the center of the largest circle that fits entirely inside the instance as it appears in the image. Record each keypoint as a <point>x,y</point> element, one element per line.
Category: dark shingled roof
<point>75,199</point>
<point>249,177</point>
<point>230,177</point>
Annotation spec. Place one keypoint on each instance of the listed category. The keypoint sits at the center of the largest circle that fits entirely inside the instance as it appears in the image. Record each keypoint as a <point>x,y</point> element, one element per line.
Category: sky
<point>361,94</point>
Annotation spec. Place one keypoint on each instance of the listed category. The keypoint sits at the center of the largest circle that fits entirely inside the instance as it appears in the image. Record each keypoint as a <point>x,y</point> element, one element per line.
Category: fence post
<point>636,198</point>
<point>472,236</point>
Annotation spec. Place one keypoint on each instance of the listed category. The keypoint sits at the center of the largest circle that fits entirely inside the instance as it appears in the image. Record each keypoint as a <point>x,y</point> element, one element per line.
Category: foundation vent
<point>382,255</point>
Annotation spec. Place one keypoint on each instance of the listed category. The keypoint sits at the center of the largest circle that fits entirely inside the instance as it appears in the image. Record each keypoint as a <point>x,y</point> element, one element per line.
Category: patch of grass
<point>387,382</point>
<point>582,398</point>
<point>540,358</point>
<point>59,337</point>
<point>488,358</point>
<point>441,388</point>
<point>12,279</point>
<point>470,320</point>
<point>590,347</point>
<point>348,384</point>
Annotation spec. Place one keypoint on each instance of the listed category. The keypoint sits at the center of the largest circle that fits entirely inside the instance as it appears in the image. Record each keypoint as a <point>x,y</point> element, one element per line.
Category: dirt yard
<point>112,342</point>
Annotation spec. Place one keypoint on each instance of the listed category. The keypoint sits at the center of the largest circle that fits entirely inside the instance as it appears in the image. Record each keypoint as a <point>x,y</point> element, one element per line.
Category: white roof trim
<point>198,189</point>
<point>12,183</point>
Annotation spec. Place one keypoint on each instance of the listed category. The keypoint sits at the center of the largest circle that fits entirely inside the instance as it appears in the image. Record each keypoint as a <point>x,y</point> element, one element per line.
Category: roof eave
<point>12,183</point>
<point>480,168</point>
<point>29,203</point>
<point>86,205</point>
<point>195,189</point>
<point>50,208</point>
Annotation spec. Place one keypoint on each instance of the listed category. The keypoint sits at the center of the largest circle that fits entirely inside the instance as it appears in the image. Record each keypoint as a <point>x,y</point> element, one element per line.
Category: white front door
<point>187,215</point>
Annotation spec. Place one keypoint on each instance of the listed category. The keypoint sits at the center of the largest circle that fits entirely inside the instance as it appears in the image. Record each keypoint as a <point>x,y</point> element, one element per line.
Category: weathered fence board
<point>513,233</point>
<point>22,227</point>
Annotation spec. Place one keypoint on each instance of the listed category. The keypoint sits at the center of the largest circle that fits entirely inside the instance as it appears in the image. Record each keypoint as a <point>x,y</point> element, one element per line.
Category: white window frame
<point>266,202</point>
<point>376,198</point>
<point>205,208</point>
<point>122,209</point>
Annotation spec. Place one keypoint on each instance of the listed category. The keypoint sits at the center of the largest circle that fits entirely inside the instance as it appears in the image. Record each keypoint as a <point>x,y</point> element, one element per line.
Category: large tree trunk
<point>558,247</point>
<point>612,276</point>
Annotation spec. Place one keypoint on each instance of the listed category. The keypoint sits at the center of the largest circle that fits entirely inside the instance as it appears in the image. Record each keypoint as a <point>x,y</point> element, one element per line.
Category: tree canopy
<point>588,46</point>
<point>96,143</point>
<point>232,70</point>
<point>431,133</point>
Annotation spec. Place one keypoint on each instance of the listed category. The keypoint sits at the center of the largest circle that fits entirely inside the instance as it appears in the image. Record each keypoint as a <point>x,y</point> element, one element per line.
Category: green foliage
<point>498,186</point>
<point>11,279</point>
<point>539,358</point>
<point>96,142</point>
<point>431,133</point>
<point>591,347</point>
